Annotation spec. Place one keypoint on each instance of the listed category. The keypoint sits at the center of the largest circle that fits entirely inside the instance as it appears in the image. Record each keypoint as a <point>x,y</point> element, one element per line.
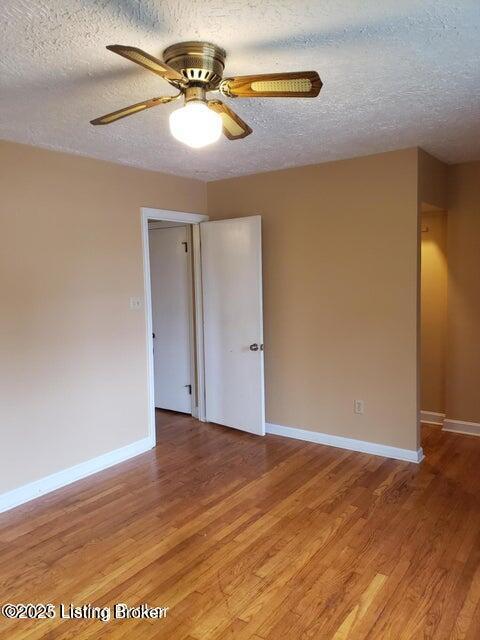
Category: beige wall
<point>463,333</point>
<point>73,355</point>
<point>340,292</point>
<point>433,311</point>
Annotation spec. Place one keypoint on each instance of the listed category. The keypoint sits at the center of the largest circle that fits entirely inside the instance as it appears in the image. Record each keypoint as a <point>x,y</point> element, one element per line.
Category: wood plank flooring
<point>256,539</point>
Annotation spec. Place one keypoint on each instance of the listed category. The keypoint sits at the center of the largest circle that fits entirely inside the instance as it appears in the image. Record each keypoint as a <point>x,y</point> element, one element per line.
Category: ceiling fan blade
<point>296,84</point>
<point>234,127</point>
<point>133,108</point>
<point>147,61</point>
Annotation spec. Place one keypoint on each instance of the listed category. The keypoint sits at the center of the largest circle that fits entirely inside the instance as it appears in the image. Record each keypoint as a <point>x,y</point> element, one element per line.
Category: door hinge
<point>185,244</point>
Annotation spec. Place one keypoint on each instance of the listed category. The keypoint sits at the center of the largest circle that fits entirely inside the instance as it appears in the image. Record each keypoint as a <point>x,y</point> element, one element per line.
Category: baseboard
<point>62,478</point>
<point>346,443</point>
<point>460,426</point>
<point>454,426</point>
<point>432,417</point>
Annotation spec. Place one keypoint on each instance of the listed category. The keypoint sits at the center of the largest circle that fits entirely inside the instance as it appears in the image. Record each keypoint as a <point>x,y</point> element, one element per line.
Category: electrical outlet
<point>135,303</point>
<point>358,406</point>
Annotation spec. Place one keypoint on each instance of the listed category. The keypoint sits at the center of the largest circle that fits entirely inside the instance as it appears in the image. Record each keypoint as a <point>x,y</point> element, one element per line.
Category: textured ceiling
<point>396,74</point>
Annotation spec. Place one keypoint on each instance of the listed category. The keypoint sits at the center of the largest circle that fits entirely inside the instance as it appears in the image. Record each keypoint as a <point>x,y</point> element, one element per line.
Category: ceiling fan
<point>196,68</point>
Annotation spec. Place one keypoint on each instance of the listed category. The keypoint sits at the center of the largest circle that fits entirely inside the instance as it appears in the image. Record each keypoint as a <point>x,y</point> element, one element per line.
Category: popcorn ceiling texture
<point>396,74</point>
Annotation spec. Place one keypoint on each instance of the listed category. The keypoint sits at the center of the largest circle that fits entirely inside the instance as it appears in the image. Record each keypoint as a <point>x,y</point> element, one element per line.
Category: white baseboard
<point>60,479</point>
<point>375,449</point>
<point>460,426</point>
<point>432,417</point>
<point>448,424</point>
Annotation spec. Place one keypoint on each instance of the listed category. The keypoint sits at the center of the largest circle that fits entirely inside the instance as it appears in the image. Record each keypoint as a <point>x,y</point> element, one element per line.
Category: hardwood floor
<point>260,539</point>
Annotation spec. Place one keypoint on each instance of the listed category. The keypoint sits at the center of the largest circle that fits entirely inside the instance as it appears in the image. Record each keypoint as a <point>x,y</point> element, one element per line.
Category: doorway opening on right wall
<point>447,324</point>
<point>433,326</point>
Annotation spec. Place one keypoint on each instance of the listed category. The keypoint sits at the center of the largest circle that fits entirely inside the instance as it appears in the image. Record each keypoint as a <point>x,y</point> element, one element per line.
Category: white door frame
<point>194,219</point>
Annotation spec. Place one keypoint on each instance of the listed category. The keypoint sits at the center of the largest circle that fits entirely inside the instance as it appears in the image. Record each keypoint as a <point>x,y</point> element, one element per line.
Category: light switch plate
<point>135,303</point>
<point>359,406</point>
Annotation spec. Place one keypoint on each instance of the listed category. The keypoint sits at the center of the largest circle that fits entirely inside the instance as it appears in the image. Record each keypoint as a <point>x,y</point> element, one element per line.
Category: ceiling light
<point>195,124</point>
<point>195,69</point>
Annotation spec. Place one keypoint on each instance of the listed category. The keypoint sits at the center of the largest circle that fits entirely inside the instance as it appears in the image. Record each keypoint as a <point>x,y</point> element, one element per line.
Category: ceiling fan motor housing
<point>201,63</point>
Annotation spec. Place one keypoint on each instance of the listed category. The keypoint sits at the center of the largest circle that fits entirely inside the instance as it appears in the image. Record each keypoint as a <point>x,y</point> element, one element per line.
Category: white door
<point>233,325</point>
<point>171,291</point>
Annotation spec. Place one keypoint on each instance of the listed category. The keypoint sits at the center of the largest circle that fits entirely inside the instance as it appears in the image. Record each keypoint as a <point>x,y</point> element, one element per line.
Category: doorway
<point>172,316</point>
<point>433,307</point>
<point>151,218</point>
<point>204,318</point>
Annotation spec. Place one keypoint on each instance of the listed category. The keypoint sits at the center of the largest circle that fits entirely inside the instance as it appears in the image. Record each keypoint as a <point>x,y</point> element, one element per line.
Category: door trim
<point>194,219</point>
<point>173,216</point>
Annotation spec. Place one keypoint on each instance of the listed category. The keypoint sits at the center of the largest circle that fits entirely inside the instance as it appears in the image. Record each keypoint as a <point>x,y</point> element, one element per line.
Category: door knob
<point>254,347</point>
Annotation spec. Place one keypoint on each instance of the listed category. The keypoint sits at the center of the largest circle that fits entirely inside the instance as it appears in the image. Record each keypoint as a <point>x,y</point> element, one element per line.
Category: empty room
<point>240,320</point>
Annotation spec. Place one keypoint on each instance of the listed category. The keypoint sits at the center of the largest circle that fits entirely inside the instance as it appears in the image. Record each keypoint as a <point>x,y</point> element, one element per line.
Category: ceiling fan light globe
<point>195,124</point>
